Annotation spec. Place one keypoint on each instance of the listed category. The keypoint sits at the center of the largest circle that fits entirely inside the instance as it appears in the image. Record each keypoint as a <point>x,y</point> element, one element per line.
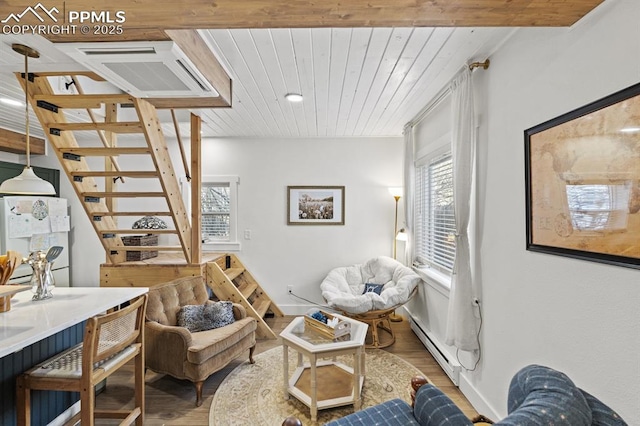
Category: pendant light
<point>27,183</point>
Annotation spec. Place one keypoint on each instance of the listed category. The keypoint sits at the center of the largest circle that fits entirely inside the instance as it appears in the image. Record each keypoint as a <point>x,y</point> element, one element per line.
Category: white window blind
<point>216,211</point>
<point>435,221</point>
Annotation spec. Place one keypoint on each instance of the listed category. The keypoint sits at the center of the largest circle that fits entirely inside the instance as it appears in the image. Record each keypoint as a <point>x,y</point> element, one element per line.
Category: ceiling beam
<point>204,60</point>
<point>146,19</point>
<point>16,143</point>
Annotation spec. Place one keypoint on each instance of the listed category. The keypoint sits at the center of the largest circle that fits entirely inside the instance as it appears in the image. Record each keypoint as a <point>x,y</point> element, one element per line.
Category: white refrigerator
<point>30,223</point>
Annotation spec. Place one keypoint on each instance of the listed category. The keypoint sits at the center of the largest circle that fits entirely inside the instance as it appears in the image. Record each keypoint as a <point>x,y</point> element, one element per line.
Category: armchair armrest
<point>239,311</point>
<point>164,344</point>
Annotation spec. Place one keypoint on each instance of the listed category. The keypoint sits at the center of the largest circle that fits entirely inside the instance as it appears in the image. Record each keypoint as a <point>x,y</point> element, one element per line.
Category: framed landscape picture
<point>583,182</point>
<point>315,205</point>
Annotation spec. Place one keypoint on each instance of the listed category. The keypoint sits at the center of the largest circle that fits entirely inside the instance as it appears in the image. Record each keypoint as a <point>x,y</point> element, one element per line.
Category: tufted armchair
<point>174,350</point>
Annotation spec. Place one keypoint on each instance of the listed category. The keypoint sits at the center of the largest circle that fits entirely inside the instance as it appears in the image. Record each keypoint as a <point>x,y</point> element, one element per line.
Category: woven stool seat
<point>68,364</point>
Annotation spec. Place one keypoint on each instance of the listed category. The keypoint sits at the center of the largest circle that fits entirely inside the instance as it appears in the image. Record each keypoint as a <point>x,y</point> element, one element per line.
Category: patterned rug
<point>253,394</point>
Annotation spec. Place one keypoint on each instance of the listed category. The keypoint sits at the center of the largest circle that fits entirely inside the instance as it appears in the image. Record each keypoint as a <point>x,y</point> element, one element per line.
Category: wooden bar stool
<point>110,341</point>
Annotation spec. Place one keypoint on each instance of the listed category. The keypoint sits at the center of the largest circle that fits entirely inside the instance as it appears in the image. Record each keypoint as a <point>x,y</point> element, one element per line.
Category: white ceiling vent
<point>144,69</point>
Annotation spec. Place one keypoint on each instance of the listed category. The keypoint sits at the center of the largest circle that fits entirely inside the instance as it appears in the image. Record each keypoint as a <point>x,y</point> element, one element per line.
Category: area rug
<point>253,394</point>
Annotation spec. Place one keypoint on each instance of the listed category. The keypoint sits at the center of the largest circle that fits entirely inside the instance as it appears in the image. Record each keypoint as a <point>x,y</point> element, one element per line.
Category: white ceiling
<point>355,81</point>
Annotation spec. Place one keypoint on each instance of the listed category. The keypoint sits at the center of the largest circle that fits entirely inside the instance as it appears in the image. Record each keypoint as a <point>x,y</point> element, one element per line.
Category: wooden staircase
<point>230,280</point>
<point>96,189</point>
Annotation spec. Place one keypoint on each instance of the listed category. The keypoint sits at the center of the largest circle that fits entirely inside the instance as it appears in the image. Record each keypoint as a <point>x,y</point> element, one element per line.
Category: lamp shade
<point>402,235</point>
<point>27,183</point>
<point>395,191</point>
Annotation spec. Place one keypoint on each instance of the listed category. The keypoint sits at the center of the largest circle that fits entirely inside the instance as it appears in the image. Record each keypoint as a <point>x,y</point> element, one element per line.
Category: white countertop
<point>31,321</point>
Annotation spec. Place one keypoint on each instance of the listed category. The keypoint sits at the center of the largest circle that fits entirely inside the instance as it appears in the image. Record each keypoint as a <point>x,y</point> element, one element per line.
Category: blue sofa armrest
<point>395,412</point>
<point>433,408</point>
<point>542,396</point>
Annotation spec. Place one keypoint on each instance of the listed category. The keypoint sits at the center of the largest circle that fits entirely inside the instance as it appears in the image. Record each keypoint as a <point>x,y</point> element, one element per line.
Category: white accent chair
<point>343,289</point>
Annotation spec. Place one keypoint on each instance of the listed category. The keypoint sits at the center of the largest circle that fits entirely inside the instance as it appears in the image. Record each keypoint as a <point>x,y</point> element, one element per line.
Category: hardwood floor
<point>172,402</point>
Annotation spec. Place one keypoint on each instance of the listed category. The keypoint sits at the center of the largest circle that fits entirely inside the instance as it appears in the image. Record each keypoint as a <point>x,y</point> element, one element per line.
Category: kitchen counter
<point>31,321</point>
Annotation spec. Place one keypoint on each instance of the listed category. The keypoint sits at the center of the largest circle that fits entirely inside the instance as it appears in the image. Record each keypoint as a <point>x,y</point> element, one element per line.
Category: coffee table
<point>324,382</point>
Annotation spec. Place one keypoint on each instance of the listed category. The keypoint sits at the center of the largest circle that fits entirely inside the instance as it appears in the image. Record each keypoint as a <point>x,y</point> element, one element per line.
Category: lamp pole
<point>395,227</point>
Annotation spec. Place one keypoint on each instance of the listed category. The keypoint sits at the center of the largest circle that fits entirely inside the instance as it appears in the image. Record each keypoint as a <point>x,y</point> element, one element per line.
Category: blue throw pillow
<point>375,288</point>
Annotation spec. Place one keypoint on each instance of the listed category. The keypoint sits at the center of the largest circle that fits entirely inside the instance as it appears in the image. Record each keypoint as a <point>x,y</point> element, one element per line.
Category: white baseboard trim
<point>449,365</point>
<point>297,309</point>
<point>476,399</point>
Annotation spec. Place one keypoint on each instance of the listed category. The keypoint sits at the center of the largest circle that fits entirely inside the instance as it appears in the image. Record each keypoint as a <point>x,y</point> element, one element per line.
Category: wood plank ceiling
<point>364,68</point>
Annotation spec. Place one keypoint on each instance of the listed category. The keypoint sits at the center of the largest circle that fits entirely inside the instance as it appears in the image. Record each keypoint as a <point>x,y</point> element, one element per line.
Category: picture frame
<point>582,178</point>
<point>315,205</point>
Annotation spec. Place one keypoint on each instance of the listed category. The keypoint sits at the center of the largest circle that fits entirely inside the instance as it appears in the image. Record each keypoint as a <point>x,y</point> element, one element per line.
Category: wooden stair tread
<point>262,306</point>
<point>233,273</point>
<point>85,101</point>
<point>114,173</point>
<point>122,194</point>
<point>139,231</point>
<point>115,127</point>
<point>106,152</point>
<point>247,289</point>
<point>145,248</point>
<point>131,213</point>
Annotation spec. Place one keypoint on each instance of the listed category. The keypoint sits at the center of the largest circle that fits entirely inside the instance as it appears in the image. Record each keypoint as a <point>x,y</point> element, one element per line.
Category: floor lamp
<point>396,192</point>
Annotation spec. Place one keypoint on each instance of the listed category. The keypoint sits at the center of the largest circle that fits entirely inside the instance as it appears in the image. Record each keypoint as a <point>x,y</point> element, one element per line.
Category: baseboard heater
<point>450,366</point>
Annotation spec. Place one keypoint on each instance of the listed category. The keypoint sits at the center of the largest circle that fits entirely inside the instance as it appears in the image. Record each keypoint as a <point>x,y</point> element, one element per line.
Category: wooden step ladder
<point>96,189</point>
<point>230,280</point>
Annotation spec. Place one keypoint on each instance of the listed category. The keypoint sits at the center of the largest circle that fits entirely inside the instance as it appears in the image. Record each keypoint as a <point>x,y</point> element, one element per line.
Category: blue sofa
<point>537,396</point>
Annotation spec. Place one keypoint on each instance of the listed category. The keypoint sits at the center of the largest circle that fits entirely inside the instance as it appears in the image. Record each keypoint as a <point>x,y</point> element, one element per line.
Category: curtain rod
<point>483,65</point>
<point>443,93</point>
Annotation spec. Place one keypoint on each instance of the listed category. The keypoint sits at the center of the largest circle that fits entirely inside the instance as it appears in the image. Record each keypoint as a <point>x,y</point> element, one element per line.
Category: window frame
<point>438,149</point>
<point>232,243</point>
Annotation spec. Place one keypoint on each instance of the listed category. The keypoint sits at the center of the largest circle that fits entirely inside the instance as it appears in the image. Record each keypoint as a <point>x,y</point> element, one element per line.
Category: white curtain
<point>409,177</point>
<point>462,325</point>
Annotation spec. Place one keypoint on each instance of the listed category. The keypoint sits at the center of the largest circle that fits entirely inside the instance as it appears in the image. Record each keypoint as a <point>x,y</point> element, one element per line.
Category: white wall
<point>279,255</point>
<point>580,317</point>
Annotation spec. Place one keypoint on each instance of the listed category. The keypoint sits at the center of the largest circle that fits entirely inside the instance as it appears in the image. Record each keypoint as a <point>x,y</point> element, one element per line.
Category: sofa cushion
<point>209,343</point>
<point>205,317</point>
<point>166,299</point>
<point>389,413</point>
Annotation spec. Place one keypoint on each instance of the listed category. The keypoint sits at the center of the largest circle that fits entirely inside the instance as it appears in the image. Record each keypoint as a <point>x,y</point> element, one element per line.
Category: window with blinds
<point>216,211</point>
<point>434,214</point>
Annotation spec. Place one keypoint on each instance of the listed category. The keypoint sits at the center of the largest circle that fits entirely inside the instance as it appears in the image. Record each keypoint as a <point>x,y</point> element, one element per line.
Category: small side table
<point>337,384</point>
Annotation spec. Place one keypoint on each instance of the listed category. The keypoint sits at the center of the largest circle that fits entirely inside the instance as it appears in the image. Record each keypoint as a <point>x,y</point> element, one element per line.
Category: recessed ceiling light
<point>630,129</point>
<point>293,97</point>
<point>11,102</point>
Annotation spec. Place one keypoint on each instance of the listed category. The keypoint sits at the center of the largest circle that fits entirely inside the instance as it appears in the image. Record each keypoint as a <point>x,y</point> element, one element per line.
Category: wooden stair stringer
<point>162,160</point>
